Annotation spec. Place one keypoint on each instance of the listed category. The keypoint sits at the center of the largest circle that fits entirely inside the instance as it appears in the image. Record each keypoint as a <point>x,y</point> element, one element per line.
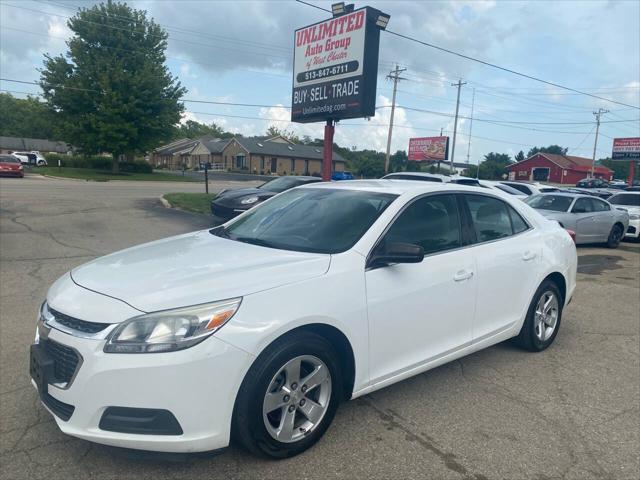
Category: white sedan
<point>256,330</point>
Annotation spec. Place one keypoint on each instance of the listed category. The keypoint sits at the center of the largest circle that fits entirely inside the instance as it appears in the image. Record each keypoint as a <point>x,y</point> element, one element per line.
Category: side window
<point>582,205</point>
<point>600,206</point>
<point>490,217</point>
<point>518,223</point>
<point>431,222</point>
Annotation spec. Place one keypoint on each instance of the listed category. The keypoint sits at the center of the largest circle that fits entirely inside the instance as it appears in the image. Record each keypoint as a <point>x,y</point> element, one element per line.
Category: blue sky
<point>241,51</point>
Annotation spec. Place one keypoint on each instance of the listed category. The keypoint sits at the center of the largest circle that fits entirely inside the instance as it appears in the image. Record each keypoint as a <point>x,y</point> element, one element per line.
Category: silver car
<point>593,220</point>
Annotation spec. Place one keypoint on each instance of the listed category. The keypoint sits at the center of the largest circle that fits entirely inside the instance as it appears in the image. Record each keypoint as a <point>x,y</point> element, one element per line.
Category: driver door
<point>419,312</point>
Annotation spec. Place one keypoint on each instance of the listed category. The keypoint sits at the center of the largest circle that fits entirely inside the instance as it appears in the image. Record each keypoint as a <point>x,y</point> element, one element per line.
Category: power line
<point>489,64</point>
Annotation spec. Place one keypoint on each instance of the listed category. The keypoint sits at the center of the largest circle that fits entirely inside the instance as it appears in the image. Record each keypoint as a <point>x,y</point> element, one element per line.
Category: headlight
<point>170,330</point>
<point>249,201</point>
<point>634,216</point>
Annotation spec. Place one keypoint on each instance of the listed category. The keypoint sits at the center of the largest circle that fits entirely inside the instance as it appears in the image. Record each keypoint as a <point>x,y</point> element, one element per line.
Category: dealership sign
<point>626,149</point>
<point>433,149</point>
<point>335,68</point>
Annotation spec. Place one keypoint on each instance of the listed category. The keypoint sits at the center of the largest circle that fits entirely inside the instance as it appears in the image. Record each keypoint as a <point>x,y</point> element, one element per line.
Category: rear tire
<point>615,236</point>
<point>278,414</point>
<point>542,322</point>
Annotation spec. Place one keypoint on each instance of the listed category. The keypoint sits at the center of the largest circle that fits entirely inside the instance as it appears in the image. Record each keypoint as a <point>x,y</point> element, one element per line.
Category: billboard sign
<point>434,149</point>
<point>335,68</point>
<point>626,149</point>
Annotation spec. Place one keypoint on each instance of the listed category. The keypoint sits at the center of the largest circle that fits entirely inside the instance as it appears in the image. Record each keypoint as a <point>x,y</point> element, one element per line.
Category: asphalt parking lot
<point>571,412</point>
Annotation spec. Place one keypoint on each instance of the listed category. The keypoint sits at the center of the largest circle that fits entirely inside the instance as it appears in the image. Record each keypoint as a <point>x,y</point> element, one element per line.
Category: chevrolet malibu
<point>256,330</point>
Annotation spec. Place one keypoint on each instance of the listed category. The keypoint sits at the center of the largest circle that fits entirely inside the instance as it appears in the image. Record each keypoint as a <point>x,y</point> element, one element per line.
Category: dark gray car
<point>592,219</point>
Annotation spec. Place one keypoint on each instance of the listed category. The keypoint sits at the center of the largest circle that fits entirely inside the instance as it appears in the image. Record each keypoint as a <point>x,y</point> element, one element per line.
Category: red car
<point>11,166</point>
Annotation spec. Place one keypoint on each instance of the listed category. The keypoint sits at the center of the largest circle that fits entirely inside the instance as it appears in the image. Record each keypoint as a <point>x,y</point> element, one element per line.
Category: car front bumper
<point>224,213</point>
<point>633,230</point>
<point>198,386</point>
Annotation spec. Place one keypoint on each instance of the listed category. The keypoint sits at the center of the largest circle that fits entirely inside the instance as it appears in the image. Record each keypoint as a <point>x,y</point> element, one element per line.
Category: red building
<point>549,167</point>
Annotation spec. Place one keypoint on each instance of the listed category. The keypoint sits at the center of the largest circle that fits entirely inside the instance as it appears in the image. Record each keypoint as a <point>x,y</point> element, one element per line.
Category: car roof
<point>399,187</point>
<point>631,192</point>
<point>561,193</point>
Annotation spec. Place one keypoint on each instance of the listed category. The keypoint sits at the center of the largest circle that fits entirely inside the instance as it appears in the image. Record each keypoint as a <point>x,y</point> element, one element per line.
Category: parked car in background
<point>31,158</point>
<point>10,166</point>
<point>495,185</point>
<point>420,176</point>
<point>593,192</point>
<point>454,179</point>
<point>630,202</point>
<point>341,176</point>
<point>592,219</point>
<point>231,203</point>
<point>258,329</point>
<point>618,185</point>
<point>592,183</point>
<point>529,188</point>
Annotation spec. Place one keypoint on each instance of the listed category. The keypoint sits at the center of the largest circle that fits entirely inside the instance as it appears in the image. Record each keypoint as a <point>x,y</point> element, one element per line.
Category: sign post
<point>627,150</point>
<point>335,71</point>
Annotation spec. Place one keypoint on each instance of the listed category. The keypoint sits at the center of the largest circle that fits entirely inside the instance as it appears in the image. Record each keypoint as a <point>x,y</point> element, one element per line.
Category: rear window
<point>9,159</point>
<point>628,199</point>
<point>555,203</point>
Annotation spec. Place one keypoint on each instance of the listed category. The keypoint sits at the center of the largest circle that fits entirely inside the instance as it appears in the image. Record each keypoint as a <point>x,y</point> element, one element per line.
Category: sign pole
<point>632,172</point>
<point>327,154</point>
<point>455,124</point>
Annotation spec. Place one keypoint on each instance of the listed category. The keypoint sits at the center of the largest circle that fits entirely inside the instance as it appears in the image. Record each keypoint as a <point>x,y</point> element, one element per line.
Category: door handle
<point>463,275</point>
<point>529,255</point>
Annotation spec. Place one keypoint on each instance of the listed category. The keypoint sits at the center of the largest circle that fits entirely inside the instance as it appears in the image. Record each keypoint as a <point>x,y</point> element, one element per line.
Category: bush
<point>97,162</point>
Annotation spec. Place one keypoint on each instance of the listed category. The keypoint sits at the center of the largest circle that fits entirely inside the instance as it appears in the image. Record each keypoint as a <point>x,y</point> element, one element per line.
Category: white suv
<point>31,158</point>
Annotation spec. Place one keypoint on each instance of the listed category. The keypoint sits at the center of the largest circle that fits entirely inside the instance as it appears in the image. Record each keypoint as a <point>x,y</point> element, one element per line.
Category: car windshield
<point>9,159</point>
<point>628,199</point>
<point>281,184</point>
<point>318,220</point>
<point>556,203</point>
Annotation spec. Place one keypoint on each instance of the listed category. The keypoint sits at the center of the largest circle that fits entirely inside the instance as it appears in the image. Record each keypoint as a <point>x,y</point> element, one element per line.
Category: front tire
<point>289,396</point>
<point>543,318</point>
<point>615,236</point>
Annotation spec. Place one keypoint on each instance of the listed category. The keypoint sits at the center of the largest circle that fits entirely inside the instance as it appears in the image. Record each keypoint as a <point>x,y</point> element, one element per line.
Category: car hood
<point>194,268</point>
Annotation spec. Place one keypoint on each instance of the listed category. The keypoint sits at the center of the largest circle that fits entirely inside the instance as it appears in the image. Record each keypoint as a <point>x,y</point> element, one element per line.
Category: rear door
<point>587,229</point>
<point>508,253</point>
<point>603,219</point>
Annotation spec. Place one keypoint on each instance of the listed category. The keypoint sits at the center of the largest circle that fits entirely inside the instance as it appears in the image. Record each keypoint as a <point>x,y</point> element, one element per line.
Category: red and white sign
<point>626,148</point>
<point>428,148</point>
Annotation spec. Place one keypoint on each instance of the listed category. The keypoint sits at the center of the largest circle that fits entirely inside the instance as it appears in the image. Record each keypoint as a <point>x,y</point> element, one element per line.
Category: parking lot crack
<point>395,420</point>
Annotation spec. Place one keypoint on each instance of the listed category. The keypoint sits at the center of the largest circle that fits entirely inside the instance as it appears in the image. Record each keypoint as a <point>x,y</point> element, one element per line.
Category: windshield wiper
<point>254,241</point>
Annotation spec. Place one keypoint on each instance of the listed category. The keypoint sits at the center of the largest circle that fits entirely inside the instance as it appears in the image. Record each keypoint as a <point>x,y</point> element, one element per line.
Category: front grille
<point>60,409</point>
<point>631,230</point>
<point>77,324</point>
<point>65,360</point>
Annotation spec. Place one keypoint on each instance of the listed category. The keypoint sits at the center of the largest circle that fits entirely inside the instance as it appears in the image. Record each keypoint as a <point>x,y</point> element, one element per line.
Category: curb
<point>165,202</point>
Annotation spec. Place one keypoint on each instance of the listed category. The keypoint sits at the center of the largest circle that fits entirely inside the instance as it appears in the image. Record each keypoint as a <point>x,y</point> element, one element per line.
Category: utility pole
<point>455,124</point>
<point>595,143</point>
<point>395,76</point>
<point>473,101</point>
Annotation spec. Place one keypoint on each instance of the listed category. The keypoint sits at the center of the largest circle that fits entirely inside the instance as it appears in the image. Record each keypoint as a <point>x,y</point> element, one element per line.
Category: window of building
<point>274,165</point>
<point>262,162</point>
<point>293,164</point>
<point>240,160</point>
<point>431,222</point>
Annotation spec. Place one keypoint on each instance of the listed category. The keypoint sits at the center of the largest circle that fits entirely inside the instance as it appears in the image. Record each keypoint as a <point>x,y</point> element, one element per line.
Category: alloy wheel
<point>546,316</point>
<point>297,398</point>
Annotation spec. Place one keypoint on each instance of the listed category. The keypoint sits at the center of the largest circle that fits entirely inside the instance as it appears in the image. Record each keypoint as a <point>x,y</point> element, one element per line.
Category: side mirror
<point>396,252</point>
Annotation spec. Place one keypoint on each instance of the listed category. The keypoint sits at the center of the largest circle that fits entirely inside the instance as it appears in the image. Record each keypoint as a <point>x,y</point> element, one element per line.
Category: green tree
<point>520,156</point>
<point>112,90</point>
<point>194,129</point>
<point>493,167</point>
<point>27,117</point>
<point>556,149</point>
<point>274,131</point>
<point>620,169</point>
<point>398,161</point>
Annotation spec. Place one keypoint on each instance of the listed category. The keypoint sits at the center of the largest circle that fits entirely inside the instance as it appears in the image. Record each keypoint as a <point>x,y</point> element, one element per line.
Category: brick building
<point>261,155</point>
